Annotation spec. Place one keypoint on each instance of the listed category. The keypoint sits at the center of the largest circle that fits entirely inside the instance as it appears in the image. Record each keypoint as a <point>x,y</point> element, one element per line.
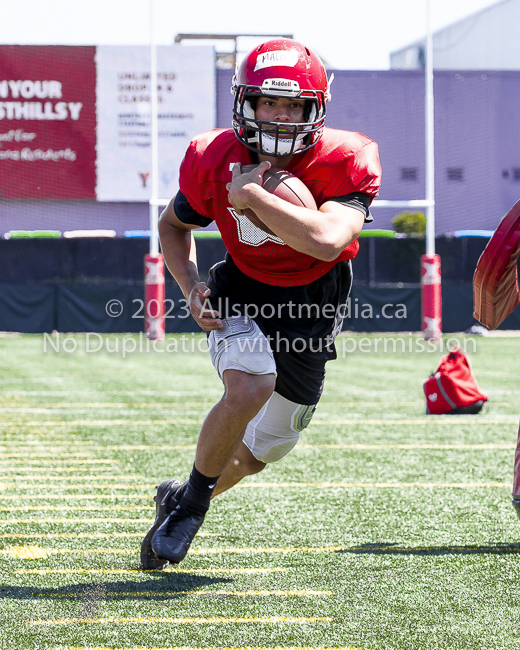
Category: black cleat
<point>165,502</point>
<point>516,506</point>
<point>174,537</point>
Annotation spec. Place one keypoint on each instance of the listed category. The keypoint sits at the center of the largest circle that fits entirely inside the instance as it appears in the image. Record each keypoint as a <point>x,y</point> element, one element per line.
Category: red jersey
<point>342,162</point>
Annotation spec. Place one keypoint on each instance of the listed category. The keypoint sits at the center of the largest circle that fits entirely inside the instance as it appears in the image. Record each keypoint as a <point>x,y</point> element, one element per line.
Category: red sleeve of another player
<point>192,182</point>
<point>364,170</point>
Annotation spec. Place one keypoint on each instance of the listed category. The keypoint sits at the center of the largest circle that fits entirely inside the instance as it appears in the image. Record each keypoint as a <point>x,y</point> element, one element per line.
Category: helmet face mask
<point>280,68</point>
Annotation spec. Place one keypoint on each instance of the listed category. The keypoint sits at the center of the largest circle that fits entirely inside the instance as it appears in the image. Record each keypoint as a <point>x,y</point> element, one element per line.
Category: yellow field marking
<point>491,549</point>
<point>439,419</point>
<point>212,620</point>
<point>255,485</point>
<point>99,423</point>
<point>109,405</point>
<point>112,486</point>
<point>68,461</point>
<point>143,447</point>
<point>95,448</point>
<point>253,551</point>
<point>99,477</point>
<point>219,592</point>
<point>58,453</point>
<point>351,403</point>
<point>84,535</point>
<point>37,437</point>
<point>37,552</point>
<point>353,446</point>
<point>50,469</point>
<point>347,404</point>
<point>258,484</point>
<point>208,648</point>
<point>45,444</point>
<point>74,508</point>
<point>139,571</point>
<point>434,419</point>
<point>86,520</point>
<point>490,445</point>
<point>32,497</point>
<point>26,552</point>
<point>193,551</point>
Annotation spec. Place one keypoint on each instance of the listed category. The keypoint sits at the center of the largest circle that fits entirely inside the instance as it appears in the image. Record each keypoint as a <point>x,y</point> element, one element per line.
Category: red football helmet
<point>280,68</point>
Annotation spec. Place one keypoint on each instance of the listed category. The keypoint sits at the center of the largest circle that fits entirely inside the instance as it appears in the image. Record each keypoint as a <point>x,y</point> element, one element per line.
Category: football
<point>285,186</point>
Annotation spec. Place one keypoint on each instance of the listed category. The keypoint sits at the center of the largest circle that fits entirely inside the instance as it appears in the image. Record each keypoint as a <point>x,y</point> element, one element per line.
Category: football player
<point>272,308</point>
<point>495,294</point>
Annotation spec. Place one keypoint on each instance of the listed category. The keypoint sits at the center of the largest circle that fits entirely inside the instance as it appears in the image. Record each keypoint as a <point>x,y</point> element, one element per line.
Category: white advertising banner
<point>186,106</point>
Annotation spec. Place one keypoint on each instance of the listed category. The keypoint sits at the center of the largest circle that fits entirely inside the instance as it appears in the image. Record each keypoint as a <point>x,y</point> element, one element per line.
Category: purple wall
<point>476,127</point>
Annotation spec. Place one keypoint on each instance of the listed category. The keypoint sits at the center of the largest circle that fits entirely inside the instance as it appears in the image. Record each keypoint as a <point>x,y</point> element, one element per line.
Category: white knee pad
<point>275,430</point>
<point>241,345</point>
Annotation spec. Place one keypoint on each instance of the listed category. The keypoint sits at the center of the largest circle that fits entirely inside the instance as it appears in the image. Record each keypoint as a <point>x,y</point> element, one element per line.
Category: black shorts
<point>301,323</point>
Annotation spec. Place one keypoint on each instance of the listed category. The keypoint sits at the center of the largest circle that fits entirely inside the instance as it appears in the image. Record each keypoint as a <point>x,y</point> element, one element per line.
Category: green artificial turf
<point>383,529</point>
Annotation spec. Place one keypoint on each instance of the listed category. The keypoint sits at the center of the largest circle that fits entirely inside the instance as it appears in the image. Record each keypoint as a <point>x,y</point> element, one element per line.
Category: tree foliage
<point>410,223</point>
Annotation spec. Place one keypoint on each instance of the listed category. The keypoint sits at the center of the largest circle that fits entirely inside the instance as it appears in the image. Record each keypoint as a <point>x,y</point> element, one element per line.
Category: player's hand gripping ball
<point>285,186</point>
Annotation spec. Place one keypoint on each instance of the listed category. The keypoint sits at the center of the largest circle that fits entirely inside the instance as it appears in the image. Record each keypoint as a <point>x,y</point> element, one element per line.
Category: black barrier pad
<point>28,308</point>
<point>376,309</point>
<point>116,307</point>
<point>85,307</point>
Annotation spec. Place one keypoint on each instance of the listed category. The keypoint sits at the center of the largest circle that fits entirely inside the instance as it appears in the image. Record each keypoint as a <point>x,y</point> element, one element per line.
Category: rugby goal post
<point>154,323</point>
<point>430,262</point>
<point>431,302</point>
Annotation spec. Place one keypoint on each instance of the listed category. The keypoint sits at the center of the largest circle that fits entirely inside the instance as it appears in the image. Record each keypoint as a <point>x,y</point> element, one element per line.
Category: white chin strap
<point>284,145</point>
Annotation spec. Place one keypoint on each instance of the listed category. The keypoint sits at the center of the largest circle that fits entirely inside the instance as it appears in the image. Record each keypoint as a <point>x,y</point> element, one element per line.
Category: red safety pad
<point>495,283</point>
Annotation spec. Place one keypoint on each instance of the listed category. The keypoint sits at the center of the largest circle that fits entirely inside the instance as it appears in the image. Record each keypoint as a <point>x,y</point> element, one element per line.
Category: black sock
<point>198,492</point>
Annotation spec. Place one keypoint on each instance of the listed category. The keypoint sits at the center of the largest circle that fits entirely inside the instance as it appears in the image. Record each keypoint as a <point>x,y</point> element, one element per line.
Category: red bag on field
<point>453,388</point>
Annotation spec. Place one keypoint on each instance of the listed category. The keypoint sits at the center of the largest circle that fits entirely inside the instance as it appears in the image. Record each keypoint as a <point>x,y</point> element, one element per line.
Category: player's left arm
<point>321,233</point>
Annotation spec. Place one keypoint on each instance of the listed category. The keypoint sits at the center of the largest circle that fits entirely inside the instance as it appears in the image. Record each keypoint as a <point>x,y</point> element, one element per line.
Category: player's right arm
<point>180,256</point>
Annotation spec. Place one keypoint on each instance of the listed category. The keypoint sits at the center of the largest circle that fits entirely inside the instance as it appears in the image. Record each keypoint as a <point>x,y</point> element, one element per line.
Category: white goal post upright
<point>154,262</point>
<point>430,263</point>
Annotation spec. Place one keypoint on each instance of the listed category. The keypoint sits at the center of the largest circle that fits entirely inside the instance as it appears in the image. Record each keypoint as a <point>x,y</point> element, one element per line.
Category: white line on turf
<point>15,497</point>
<point>139,571</point>
<point>308,484</point>
<point>95,461</point>
<point>461,446</point>
<point>353,446</point>
<point>99,477</point>
<point>83,535</point>
<point>205,648</point>
<point>432,420</point>
<point>195,620</point>
<point>31,552</point>
<point>53,454</point>
<point>77,520</point>
<point>46,508</point>
<point>48,486</point>
<point>218,592</point>
<point>428,485</point>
